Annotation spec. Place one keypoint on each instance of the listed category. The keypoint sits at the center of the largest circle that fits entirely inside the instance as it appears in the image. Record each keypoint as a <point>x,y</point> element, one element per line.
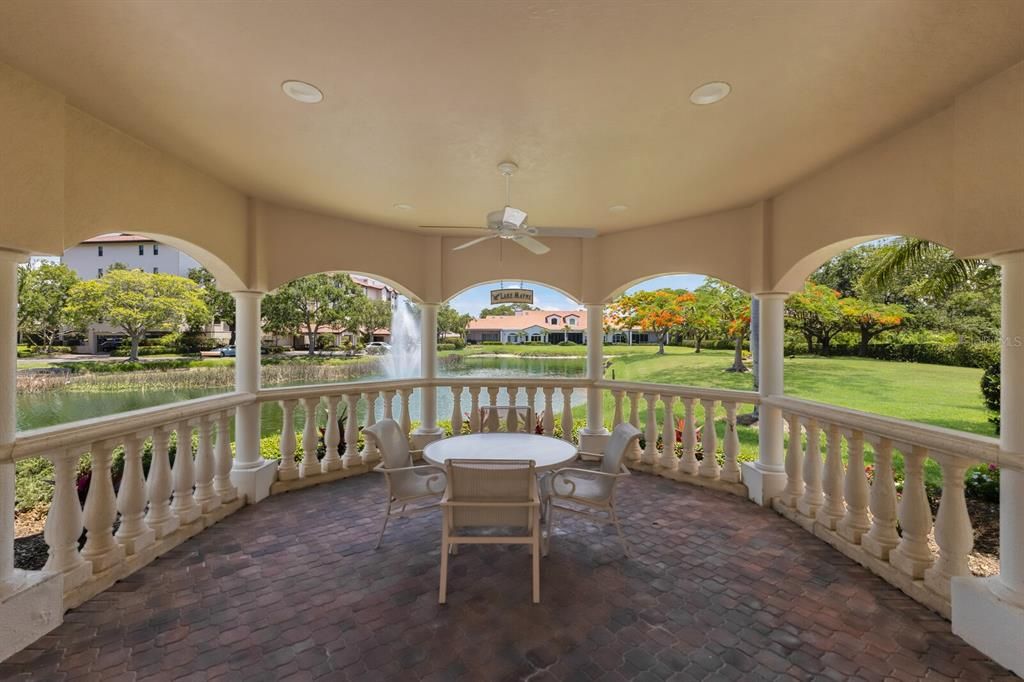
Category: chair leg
<point>618,528</point>
<point>442,597</point>
<point>550,513</point>
<point>535,551</point>
<point>387,515</point>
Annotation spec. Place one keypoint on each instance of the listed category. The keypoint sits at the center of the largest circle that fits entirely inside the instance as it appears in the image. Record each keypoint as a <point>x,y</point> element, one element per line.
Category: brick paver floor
<point>291,588</point>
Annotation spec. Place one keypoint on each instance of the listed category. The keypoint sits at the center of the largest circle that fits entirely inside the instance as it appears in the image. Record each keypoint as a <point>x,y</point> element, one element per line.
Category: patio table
<point>546,452</point>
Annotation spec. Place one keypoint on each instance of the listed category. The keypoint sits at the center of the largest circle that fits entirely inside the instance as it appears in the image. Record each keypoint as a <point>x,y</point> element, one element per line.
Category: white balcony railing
<point>831,498</point>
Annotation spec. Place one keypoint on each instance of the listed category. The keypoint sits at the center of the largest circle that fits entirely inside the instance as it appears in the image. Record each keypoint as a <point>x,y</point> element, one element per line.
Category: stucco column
<point>250,473</point>
<point>594,434</point>
<point>31,602</point>
<point>8,377</point>
<point>989,612</point>
<point>428,430</point>
<point>766,477</point>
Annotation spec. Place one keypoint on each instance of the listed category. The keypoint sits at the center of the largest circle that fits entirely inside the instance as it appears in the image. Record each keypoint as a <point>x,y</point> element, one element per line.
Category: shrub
<point>953,354</point>
<point>982,483</point>
<point>125,350</point>
<point>490,343</point>
<point>567,343</point>
<point>991,391</point>
<point>446,346</point>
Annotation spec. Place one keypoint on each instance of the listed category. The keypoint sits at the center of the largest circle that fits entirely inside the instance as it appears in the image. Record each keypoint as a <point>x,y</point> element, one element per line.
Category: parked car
<point>110,345</point>
<point>229,351</point>
<point>378,348</point>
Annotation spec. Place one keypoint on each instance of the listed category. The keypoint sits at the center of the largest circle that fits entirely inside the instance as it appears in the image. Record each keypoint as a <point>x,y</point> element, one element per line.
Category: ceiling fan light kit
<point>510,223</point>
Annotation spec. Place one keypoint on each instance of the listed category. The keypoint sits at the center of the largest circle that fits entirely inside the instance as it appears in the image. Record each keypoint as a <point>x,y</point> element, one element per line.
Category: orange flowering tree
<point>658,311</point>
<point>871,319</point>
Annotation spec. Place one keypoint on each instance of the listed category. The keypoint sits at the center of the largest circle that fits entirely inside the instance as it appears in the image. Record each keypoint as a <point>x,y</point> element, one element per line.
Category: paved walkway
<point>292,589</point>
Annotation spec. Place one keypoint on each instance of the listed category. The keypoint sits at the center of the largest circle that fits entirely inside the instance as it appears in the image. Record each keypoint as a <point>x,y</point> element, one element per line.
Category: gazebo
<point>843,122</point>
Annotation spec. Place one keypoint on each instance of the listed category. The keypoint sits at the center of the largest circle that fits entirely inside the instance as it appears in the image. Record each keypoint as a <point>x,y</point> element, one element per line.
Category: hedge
<point>123,351</point>
<point>981,355</point>
<point>446,346</point>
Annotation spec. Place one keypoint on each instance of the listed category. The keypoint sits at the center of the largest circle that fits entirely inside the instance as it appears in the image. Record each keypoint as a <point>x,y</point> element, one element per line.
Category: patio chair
<point>485,497</point>
<point>592,489</point>
<point>492,416</point>
<point>406,482</point>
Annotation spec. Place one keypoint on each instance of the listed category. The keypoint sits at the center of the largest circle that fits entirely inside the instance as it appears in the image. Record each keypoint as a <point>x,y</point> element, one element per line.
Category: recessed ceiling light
<point>709,93</point>
<point>302,92</point>
<point>403,207</point>
<point>618,208</point>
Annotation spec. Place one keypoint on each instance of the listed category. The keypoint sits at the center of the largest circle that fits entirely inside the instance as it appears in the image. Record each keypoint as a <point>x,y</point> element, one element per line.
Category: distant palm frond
<point>947,274</point>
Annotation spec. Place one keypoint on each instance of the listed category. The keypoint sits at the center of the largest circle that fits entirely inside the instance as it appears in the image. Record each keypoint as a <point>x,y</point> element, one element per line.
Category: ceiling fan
<point>510,223</point>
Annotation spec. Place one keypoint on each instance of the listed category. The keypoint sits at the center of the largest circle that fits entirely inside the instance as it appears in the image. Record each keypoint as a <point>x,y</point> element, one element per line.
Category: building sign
<point>499,296</point>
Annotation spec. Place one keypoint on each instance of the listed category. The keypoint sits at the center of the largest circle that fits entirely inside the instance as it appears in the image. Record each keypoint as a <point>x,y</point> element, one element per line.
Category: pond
<point>48,408</point>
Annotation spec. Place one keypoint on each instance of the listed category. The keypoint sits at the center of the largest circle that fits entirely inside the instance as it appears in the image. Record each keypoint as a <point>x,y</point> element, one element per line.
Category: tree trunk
<point>810,342</point>
<point>696,345</point>
<point>737,358</point>
<point>311,350</point>
<point>134,353</point>
<point>826,345</point>
<point>865,336</point>
<point>661,343</point>
<point>231,340</point>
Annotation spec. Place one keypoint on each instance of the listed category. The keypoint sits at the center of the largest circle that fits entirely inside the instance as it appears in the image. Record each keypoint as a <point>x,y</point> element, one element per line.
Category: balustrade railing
<point>131,514</point>
<point>857,506</point>
<point>146,510</point>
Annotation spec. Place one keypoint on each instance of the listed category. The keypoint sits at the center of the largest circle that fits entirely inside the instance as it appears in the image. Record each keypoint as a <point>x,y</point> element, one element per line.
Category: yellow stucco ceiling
<point>423,99</point>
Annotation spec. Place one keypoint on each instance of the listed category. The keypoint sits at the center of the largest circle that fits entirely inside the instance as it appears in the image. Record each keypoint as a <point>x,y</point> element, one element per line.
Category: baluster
<point>389,402</point>
<point>100,511</point>
<point>370,454</point>
<point>882,537</point>
<point>222,459</point>
<point>406,420</point>
<point>856,522</point>
<point>183,503</point>
<point>474,409</point>
<point>833,509</point>
<point>64,524</point>
<point>332,436</point>
<point>619,396</point>
<point>352,457</point>
<point>635,453</point>
<point>549,411</point>
<point>913,555</point>
<point>668,434</point>
<point>512,422</point>
<point>456,410</point>
<point>953,531</point>
<point>812,498</point>
<point>731,447</point>
<point>310,439</point>
<point>205,495</point>
<point>567,415</point>
<point>650,454</point>
<point>286,469</point>
<point>159,485</point>
<point>133,534</point>
<point>688,463</point>
<point>709,467</point>
<point>531,403</point>
<point>794,462</point>
<point>493,420</point>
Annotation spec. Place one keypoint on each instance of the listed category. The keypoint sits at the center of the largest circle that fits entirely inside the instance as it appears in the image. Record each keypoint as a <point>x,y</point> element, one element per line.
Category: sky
<point>473,300</point>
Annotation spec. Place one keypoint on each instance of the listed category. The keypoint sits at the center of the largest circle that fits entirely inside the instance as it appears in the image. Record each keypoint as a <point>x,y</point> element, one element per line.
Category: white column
<point>595,372</point>
<point>989,612</point>
<point>428,430</point>
<point>8,377</point>
<point>31,600</point>
<point>250,473</point>
<point>766,478</point>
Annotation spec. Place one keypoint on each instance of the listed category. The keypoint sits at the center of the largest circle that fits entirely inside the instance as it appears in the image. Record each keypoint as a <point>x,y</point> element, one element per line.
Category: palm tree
<point>906,254</point>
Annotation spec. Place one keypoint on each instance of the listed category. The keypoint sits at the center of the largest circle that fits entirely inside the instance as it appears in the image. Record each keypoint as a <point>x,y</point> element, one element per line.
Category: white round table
<point>546,452</point>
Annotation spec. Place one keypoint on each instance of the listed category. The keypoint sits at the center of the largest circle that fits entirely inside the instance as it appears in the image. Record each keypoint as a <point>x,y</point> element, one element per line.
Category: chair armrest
<point>437,473</point>
<point>572,484</point>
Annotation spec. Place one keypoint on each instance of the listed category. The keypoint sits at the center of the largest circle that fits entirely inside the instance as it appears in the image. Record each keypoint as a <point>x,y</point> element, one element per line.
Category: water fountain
<point>403,362</point>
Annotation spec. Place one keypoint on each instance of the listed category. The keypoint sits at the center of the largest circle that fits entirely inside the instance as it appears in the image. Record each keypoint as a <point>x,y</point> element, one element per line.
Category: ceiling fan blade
<point>474,241</point>
<point>531,244</point>
<point>513,216</point>
<point>453,227</point>
<point>580,232</point>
